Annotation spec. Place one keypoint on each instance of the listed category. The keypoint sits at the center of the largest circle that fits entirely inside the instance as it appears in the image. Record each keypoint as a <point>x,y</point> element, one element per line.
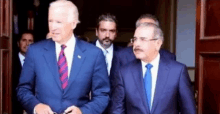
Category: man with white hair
<point>63,70</point>
<point>152,83</point>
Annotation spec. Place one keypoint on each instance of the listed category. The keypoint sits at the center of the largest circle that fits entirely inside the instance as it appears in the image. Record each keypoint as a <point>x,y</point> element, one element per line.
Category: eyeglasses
<point>143,39</point>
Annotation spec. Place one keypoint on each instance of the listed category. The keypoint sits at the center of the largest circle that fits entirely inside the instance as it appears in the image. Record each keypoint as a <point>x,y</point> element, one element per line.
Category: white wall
<point>185,34</point>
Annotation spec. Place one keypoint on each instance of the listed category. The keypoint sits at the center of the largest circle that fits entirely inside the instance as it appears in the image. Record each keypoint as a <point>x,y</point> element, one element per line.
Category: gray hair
<point>106,17</point>
<point>147,16</point>
<point>73,13</point>
<point>158,33</point>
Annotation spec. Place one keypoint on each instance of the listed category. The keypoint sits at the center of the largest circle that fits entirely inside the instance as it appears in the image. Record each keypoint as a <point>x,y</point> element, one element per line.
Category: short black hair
<point>25,32</point>
<point>107,17</point>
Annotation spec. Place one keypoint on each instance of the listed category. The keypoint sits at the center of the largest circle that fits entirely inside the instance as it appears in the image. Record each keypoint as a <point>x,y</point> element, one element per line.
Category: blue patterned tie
<point>148,83</point>
<point>105,52</point>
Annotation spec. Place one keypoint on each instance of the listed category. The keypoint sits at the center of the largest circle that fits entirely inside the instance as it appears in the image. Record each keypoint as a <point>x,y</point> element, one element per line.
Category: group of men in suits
<point>63,70</point>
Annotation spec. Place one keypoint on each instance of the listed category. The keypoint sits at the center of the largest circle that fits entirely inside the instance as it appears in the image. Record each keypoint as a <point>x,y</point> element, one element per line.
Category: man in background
<point>23,42</point>
<point>106,32</point>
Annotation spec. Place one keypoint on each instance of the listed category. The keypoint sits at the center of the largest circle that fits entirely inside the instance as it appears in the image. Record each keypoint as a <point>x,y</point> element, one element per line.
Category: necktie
<point>63,68</point>
<point>105,54</point>
<point>148,82</point>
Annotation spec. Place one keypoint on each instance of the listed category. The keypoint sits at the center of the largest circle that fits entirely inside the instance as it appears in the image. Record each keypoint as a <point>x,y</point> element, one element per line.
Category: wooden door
<point>208,56</point>
<point>5,55</point>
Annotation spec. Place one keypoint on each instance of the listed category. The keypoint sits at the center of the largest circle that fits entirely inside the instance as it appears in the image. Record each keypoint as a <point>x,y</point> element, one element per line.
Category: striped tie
<point>63,68</point>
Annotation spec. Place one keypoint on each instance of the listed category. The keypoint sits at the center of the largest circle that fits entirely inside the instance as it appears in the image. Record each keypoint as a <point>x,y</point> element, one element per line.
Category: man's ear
<point>159,43</point>
<point>74,25</point>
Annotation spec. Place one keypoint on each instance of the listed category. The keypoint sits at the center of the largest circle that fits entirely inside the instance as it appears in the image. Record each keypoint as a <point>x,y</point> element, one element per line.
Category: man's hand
<point>42,109</point>
<point>73,110</point>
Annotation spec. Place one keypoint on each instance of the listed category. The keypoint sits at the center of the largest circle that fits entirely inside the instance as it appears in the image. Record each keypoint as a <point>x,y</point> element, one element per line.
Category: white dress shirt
<point>68,51</point>
<point>154,72</point>
<point>21,58</point>
<point>108,55</point>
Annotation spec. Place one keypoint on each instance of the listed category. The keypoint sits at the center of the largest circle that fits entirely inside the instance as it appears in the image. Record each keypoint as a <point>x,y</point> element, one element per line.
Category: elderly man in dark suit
<point>152,83</point>
<point>126,55</point>
<point>63,70</point>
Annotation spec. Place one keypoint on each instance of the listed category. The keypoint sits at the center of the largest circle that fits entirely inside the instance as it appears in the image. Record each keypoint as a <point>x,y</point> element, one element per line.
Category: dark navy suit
<point>126,55</point>
<point>16,106</point>
<point>173,92</point>
<point>87,74</point>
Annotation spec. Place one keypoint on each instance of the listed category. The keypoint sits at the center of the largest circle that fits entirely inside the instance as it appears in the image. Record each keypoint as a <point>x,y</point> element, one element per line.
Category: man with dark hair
<point>23,42</point>
<point>106,32</point>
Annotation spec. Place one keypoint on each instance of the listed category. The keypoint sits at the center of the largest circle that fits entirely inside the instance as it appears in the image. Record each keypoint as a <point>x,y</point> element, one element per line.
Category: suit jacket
<point>173,92</point>
<point>16,106</point>
<point>87,74</point>
<point>126,55</point>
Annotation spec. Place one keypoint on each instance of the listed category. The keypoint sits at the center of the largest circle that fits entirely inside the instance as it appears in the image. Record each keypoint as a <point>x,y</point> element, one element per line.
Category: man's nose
<point>107,34</point>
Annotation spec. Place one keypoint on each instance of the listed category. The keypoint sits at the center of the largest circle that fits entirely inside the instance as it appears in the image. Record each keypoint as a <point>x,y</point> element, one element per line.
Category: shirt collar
<point>22,57</point>
<point>69,43</point>
<point>154,62</point>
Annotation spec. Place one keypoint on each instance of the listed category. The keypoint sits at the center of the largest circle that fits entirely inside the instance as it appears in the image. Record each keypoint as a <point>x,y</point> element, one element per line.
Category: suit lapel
<point>115,49</point>
<point>50,57</point>
<point>78,60</point>
<point>136,71</point>
<point>163,72</point>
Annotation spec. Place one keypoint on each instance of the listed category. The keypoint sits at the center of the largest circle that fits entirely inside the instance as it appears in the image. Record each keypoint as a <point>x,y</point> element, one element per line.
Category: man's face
<point>60,28</point>
<point>144,48</point>
<point>26,40</point>
<point>106,33</point>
